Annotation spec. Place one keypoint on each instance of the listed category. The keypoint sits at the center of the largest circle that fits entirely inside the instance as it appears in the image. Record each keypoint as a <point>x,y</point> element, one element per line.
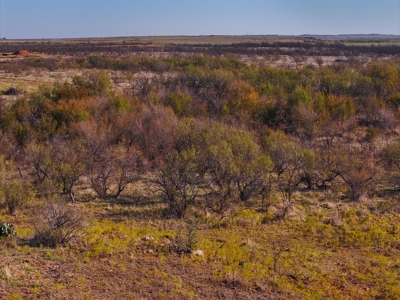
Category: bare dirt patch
<point>24,53</point>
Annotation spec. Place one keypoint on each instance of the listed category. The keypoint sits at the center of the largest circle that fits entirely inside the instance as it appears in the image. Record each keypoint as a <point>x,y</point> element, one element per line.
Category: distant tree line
<point>305,48</point>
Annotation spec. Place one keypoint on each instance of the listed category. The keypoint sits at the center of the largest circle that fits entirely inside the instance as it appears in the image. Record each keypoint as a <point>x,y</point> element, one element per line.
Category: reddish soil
<point>22,53</point>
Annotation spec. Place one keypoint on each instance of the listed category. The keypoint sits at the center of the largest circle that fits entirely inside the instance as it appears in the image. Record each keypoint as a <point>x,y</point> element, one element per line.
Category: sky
<point>111,18</point>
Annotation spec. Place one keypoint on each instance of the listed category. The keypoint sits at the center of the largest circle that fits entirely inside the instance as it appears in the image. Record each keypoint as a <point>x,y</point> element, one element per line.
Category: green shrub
<point>15,196</point>
<point>14,191</point>
<point>186,238</point>
<point>7,229</point>
<point>179,102</point>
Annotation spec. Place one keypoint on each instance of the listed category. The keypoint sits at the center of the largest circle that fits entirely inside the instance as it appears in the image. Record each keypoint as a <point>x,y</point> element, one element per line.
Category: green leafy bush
<point>15,192</point>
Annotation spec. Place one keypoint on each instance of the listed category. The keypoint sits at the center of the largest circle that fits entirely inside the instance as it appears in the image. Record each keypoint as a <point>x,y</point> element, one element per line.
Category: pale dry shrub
<point>58,224</point>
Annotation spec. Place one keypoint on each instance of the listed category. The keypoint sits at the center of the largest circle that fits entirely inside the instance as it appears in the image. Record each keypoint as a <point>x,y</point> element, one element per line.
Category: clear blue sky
<point>98,18</point>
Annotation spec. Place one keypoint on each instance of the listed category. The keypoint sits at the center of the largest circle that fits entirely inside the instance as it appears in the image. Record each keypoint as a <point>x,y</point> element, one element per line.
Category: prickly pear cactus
<point>7,229</point>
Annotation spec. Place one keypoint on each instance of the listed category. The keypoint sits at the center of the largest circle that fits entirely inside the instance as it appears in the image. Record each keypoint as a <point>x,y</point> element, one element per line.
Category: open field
<point>211,167</point>
<point>163,40</point>
<point>215,39</point>
<point>54,60</point>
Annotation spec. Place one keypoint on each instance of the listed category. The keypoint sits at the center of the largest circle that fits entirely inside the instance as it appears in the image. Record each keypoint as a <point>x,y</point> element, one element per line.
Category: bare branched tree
<point>178,182</point>
<point>58,224</point>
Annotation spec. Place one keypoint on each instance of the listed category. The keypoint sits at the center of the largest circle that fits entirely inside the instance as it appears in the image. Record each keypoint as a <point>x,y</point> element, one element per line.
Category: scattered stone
<point>198,253</point>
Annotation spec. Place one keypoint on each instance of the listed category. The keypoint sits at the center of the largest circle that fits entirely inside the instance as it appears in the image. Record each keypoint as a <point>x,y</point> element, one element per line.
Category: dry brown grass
<point>327,248</point>
<point>125,253</point>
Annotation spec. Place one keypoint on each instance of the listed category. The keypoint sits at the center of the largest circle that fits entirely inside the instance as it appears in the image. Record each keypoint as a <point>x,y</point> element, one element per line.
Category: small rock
<point>198,253</point>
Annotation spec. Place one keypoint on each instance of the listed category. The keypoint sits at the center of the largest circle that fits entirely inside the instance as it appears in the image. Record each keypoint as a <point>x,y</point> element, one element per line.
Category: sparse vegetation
<point>57,224</point>
<point>7,229</point>
<point>191,171</point>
